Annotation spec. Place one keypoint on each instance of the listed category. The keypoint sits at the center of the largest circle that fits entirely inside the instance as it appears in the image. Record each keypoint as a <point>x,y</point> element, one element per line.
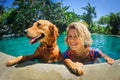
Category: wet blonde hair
<point>81,31</point>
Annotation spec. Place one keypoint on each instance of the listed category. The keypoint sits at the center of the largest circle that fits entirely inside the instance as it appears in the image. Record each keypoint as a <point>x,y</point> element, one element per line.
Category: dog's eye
<point>38,24</point>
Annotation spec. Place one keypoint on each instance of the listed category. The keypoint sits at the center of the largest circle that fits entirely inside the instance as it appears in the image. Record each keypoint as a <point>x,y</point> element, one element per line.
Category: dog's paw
<point>10,63</point>
<point>79,71</point>
<point>79,68</point>
<point>14,61</point>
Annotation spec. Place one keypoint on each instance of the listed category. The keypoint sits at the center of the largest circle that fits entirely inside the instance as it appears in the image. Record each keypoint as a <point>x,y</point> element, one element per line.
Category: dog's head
<point>43,31</point>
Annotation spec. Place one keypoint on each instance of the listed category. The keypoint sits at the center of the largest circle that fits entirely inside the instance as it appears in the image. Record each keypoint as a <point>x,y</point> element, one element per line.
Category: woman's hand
<point>109,60</point>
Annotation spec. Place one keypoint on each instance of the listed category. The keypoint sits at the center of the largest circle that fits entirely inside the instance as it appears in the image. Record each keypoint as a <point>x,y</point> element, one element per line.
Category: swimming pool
<point>110,45</point>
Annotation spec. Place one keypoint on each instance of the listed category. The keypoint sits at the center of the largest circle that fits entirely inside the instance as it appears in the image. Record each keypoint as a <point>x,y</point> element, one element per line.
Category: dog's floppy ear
<point>54,31</point>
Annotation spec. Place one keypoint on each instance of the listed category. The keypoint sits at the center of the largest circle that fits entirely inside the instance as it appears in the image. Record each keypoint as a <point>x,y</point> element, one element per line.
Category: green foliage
<point>104,20</point>
<point>4,27</point>
<point>89,15</point>
<point>111,22</point>
<point>114,23</point>
<point>71,17</point>
<point>28,11</point>
<point>25,12</point>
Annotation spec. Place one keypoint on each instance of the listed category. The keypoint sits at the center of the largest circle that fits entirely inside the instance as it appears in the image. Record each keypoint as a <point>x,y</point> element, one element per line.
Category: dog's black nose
<point>25,31</point>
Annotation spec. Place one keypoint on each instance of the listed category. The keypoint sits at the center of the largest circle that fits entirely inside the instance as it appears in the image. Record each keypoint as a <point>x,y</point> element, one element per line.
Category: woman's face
<point>74,40</point>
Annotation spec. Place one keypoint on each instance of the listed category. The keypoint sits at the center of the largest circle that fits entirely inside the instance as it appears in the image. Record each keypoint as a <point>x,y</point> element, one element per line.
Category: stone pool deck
<point>38,71</point>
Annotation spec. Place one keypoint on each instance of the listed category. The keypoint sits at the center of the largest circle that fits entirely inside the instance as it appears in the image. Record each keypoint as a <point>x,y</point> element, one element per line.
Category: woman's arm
<point>108,59</point>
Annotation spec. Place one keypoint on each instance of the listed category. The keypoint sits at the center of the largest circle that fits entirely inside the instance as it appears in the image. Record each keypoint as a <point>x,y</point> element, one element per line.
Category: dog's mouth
<point>35,39</point>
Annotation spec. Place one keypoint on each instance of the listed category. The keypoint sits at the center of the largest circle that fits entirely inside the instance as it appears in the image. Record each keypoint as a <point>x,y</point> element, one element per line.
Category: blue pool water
<point>110,45</point>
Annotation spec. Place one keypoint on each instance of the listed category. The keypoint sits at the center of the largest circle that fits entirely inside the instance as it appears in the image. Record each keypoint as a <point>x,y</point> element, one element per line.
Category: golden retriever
<point>46,33</point>
<point>48,52</point>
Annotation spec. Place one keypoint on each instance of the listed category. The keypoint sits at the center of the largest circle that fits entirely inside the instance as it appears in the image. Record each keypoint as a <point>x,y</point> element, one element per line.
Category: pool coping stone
<point>30,70</point>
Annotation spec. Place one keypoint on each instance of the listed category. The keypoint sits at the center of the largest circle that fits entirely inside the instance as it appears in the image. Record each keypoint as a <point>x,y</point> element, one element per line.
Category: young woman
<point>79,52</point>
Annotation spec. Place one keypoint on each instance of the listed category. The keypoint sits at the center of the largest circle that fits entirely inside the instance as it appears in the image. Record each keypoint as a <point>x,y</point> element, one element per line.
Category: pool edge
<point>32,71</point>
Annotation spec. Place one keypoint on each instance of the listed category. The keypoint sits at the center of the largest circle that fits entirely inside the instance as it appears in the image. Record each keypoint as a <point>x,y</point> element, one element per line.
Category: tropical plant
<point>71,17</point>
<point>115,23</point>
<point>89,15</point>
<point>111,22</point>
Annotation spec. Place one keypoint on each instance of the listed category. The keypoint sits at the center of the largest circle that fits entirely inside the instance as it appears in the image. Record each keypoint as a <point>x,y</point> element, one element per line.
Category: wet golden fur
<point>48,50</point>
